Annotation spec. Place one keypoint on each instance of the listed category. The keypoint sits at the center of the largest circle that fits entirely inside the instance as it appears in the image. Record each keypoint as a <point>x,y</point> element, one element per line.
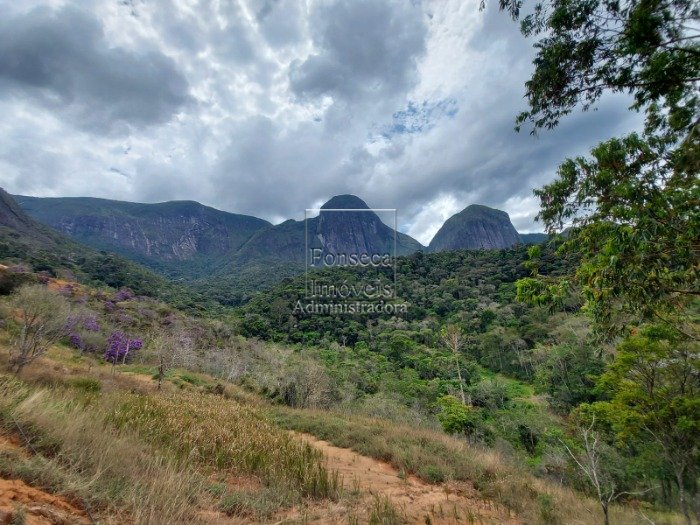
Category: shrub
<point>491,394</point>
<point>455,416</point>
<point>42,316</point>
<point>89,385</point>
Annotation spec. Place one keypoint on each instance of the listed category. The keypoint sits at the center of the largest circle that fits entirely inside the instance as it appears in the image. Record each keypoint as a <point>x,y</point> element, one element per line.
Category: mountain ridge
<point>240,253</point>
<point>167,236</point>
<point>29,242</point>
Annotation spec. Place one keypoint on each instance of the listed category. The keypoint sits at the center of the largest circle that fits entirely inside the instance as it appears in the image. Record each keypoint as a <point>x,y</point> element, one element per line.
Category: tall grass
<point>222,434</point>
<point>113,473</point>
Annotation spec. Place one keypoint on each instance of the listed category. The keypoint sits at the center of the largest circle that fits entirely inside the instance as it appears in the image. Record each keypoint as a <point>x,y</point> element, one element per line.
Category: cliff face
<point>355,231</point>
<point>476,227</point>
<point>182,237</point>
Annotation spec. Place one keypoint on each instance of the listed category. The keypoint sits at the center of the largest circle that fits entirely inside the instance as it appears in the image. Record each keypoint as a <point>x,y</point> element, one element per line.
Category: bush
<point>42,316</point>
<point>455,416</point>
<point>491,394</point>
<point>89,385</point>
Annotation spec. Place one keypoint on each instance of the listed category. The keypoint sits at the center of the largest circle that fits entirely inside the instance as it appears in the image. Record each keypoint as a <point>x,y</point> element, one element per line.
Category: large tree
<point>632,208</point>
<point>654,390</point>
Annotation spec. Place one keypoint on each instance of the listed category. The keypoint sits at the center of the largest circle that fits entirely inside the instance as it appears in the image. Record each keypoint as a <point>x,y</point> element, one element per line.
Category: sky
<point>269,107</point>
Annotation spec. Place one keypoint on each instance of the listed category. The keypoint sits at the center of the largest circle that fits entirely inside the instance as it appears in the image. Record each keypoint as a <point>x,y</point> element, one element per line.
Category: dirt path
<point>416,501</point>
<point>38,507</point>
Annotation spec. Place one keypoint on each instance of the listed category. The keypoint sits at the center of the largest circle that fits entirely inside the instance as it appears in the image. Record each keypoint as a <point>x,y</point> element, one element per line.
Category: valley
<point>276,416</point>
<point>203,321</point>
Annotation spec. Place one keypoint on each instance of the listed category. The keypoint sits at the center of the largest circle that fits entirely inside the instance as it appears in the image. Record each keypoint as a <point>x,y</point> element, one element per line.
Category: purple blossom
<point>109,305</point>
<point>90,323</point>
<point>120,346</point>
<point>76,341</point>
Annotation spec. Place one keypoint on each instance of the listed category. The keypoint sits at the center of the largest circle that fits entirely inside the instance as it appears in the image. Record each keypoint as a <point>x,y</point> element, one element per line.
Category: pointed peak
<point>480,209</point>
<point>345,202</point>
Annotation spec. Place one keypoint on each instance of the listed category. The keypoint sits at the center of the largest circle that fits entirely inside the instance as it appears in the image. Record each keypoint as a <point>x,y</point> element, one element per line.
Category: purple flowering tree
<point>76,341</point>
<point>120,347</point>
<point>90,323</point>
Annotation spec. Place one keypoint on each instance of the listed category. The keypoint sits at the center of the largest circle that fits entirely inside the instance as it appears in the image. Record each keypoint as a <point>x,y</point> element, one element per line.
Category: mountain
<point>277,252</point>
<point>533,238</point>
<point>335,231</point>
<point>25,241</point>
<point>476,227</point>
<point>178,238</point>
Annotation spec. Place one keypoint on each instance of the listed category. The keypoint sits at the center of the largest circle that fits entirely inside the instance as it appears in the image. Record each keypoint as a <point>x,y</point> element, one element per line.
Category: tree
<point>636,217</point>
<point>42,316</point>
<point>595,462</point>
<point>634,204</point>
<point>456,417</point>
<point>120,347</point>
<point>646,48</point>
<point>654,389</point>
<point>567,374</point>
<point>453,338</point>
<point>171,348</point>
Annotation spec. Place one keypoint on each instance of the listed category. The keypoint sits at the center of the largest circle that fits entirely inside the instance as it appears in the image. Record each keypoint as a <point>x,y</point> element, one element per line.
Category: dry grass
<point>231,433</point>
<point>79,456</point>
<point>434,457</point>
<point>148,457</point>
<point>224,435</point>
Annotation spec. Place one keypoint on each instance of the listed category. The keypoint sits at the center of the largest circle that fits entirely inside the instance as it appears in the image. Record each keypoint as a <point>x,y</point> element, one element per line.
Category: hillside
<point>226,256</point>
<point>27,242</point>
<point>351,232</point>
<point>192,426</point>
<point>179,238</point>
<point>533,238</point>
<point>277,252</point>
<point>476,227</point>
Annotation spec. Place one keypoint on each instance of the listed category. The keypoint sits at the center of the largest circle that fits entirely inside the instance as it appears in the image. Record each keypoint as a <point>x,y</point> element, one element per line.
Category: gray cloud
<point>280,21</point>
<point>62,60</point>
<point>363,48</point>
<point>268,107</point>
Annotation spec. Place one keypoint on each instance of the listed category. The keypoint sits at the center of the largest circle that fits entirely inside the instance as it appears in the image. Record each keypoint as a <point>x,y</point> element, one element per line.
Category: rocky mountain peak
<point>476,227</point>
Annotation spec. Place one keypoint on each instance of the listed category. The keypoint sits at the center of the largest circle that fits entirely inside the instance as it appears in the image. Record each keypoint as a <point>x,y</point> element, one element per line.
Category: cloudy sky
<point>268,107</point>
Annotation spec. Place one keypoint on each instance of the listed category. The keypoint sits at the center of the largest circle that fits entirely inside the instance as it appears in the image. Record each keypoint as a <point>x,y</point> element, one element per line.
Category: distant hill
<point>476,227</point>
<point>179,238</point>
<point>230,257</point>
<point>26,241</point>
<point>533,238</point>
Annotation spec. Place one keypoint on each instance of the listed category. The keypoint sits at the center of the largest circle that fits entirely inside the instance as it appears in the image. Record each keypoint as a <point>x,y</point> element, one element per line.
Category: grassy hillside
<point>210,395</point>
